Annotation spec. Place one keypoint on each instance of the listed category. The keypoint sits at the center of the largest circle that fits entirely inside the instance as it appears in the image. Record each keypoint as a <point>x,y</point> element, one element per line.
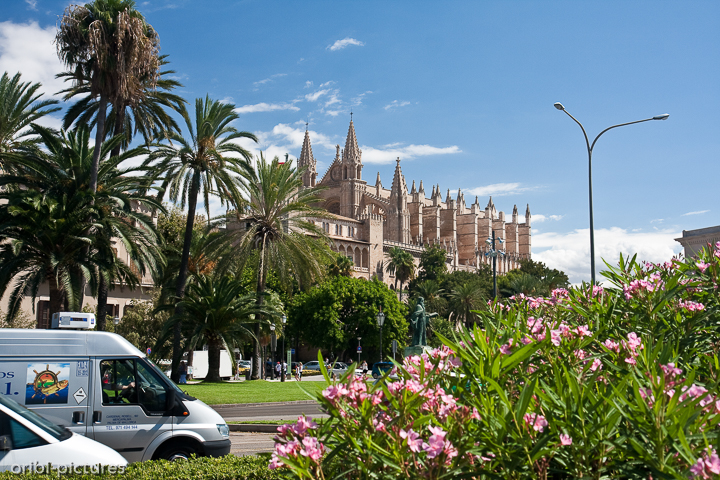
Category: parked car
<point>379,368</point>
<point>338,369</point>
<point>312,365</point>
<point>27,440</point>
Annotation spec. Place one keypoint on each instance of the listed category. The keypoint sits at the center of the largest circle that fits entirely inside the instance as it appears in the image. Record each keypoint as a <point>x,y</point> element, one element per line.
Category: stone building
<point>694,240</point>
<point>371,219</point>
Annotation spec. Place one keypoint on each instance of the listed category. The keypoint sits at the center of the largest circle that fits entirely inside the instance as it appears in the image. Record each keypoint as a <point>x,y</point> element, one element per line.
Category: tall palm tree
<point>401,265</point>
<point>463,300</point>
<point>60,174</point>
<point>201,164</point>
<point>277,230</point>
<point>215,311</point>
<point>19,107</point>
<point>108,46</point>
<point>147,112</point>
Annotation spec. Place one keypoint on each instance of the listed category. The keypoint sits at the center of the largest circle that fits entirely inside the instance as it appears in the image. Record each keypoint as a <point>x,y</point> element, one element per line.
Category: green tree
<point>215,312</point>
<point>402,265</point>
<point>108,46</point>
<point>433,294</point>
<point>433,263</point>
<point>441,326</point>
<point>464,299</point>
<point>141,325</point>
<point>278,233</point>
<point>19,107</point>
<point>201,163</point>
<point>341,265</point>
<point>332,314</point>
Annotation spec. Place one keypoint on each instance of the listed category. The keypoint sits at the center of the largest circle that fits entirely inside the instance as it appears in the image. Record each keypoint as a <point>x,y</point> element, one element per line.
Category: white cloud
<point>358,100</point>
<point>570,252</point>
<point>266,107</point>
<point>499,189</point>
<point>308,84</point>
<point>27,48</point>
<point>699,212</point>
<point>538,217</point>
<point>387,155</point>
<point>657,220</point>
<point>32,4</point>
<point>269,79</point>
<point>312,97</point>
<point>396,104</point>
<point>340,44</point>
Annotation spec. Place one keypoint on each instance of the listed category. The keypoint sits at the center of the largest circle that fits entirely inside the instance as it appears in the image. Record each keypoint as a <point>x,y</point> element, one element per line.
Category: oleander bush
<point>228,467</point>
<point>618,381</point>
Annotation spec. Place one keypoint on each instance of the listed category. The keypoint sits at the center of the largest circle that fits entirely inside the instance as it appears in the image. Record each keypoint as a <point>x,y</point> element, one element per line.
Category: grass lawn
<point>256,391</point>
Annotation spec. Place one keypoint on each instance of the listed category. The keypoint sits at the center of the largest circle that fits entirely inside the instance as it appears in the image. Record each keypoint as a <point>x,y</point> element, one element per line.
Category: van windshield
<point>152,365</point>
<point>47,426</point>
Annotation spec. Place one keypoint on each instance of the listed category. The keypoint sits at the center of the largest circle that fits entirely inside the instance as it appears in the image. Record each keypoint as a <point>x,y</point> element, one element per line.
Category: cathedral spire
<point>421,189</point>
<point>412,190</point>
<point>447,197</point>
<point>306,155</point>
<point>352,153</point>
<point>515,214</point>
<point>490,204</point>
<point>399,187</point>
<point>378,183</point>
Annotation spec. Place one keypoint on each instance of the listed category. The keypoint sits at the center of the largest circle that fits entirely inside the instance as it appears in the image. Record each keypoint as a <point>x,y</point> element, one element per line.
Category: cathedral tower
<point>398,215</point>
<point>352,187</point>
<point>308,162</point>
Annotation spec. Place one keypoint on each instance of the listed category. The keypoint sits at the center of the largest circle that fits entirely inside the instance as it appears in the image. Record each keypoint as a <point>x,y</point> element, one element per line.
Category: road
<point>245,443</point>
<point>269,411</point>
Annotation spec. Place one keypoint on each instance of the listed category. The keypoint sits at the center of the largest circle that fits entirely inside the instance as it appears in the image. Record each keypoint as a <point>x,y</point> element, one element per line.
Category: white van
<point>30,443</point>
<point>99,385</point>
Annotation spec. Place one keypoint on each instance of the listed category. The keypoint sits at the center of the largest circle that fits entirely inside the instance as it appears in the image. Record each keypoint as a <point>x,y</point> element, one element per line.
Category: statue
<point>420,321</point>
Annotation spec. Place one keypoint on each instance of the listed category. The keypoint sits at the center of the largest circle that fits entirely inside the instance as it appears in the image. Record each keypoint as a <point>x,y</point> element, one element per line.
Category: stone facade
<point>370,220</point>
<point>694,240</point>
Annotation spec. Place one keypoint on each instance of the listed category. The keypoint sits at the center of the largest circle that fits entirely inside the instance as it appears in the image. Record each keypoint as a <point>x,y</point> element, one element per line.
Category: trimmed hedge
<point>230,467</point>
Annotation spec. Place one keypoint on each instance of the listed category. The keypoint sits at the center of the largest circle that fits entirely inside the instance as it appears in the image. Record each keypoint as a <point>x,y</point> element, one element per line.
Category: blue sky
<point>463,93</point>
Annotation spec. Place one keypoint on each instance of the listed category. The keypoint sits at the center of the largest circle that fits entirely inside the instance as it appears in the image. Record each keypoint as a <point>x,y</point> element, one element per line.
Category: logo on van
<point>50,384</point>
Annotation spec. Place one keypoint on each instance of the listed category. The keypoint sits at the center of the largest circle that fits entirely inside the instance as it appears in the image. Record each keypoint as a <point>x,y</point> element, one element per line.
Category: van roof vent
<point>73,321</point>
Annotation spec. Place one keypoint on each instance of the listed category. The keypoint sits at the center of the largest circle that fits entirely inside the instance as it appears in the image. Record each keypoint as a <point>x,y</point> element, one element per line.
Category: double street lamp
<point>493,253</point>
<point>590,147</point>
<point>380,321</point>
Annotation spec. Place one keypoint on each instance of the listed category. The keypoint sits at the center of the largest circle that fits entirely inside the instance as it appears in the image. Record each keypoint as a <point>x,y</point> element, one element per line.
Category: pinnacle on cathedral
<point>378,183</point>
<point>412,190</point>
<point>398,185</point>
<point>421,189</point>
<point>306,156</point>
<point>352,153</point>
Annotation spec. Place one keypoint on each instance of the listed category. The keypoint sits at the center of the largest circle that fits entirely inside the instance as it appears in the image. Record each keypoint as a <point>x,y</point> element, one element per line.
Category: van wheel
<point>178,451</point>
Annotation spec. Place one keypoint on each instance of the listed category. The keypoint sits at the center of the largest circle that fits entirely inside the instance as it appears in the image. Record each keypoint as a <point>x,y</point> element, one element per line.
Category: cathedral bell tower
<point>308,162</point>
<point>352,185</point>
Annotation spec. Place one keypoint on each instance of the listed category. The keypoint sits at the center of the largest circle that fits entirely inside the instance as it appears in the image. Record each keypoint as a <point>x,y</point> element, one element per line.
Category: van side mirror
<point>5,443</point>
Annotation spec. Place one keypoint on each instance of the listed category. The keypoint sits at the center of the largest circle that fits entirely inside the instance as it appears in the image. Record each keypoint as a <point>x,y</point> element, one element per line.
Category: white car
<point>29,442</point>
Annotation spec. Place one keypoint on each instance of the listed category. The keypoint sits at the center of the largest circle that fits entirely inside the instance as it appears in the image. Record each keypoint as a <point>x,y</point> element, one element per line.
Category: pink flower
<point>436,442</point>
<point>414,442</point>
<point>708,464</point>
<point>580,354</point>
<point>583,331</point>
<point>596,290</point>
<point>275,462</point>
<point>565,439</point>
<point>555,337</point>
<point>597,364</point>
<point>612,345</point>
<point>631,361</point>
<point>537,422</point>
<point>312,448</point>
<point>507,349</point>
<point>702,266</point>
<point>334,391</point>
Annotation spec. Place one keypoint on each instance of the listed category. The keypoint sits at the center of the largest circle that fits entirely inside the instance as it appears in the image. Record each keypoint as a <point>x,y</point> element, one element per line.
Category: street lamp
<point>116,320</point>
<point>494,253</point>
<point>380,320</point>
<point>273,345</point>
<point>359,338</point>
<point>590,147</point>
<point>282,360</point>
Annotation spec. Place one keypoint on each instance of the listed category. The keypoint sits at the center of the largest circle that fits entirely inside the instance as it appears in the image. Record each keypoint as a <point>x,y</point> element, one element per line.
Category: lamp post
<point>590,147</point>
<point>273,345</point>
<point>116,320</point>
<point>380,320</point>
<point>494,253</point>
<point>282,360</point>
<point>359,338</point>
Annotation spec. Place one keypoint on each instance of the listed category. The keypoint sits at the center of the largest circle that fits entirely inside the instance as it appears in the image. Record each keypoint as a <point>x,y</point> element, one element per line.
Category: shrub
<point>594,382</point>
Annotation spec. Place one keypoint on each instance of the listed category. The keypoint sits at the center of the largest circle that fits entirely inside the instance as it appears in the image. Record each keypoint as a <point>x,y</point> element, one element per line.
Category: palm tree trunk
<point>182,276</point>
<point>102,303</point>
<point>213,374</point>
<point>257,361</point>
<point>99,136</point>
<point>119,127</point>
<point>57,297</point>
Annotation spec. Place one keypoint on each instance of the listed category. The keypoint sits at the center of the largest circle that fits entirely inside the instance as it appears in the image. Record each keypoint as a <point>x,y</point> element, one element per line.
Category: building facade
<point>369,220</point>
<point>694,240</point>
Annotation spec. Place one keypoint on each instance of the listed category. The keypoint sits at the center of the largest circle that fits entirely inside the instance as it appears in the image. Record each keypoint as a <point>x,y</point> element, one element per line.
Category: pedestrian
<point>364,368</point>
<point>278,369</point>
<point>183,373</point>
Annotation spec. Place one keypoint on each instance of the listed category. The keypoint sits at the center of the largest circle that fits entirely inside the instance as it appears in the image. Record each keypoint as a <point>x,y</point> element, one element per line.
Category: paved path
<point>269,411</point>
<point>251,443</point>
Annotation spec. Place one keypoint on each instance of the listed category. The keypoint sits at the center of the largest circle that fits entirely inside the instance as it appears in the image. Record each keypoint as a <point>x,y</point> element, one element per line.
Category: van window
<point>21,436</point>
<point>127,381</point>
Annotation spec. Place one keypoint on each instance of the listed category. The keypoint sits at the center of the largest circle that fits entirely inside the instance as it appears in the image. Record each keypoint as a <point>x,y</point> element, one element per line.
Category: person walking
<point>364,368</point>
<point>183,373</point>
<point>277,369</point>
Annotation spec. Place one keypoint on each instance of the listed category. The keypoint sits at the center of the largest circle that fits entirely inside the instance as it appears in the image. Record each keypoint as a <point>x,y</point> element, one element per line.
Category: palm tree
<point>19,107</point>
<point>279,232</point>
<point>59,175</point>
<point>215,311</point>
<point>109,47</point>
<point>341,266</point>
<point>401,265</point>
<point>432,293</point>
<point>201,163</point>
<point>463,300</point>
<point>146,113</point>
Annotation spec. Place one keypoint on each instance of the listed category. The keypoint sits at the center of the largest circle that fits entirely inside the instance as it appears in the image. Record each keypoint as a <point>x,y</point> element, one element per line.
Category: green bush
<point>228,467</point>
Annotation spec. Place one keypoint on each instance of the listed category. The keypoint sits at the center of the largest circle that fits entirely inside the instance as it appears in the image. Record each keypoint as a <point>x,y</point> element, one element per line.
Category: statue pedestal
<point>416,350</point>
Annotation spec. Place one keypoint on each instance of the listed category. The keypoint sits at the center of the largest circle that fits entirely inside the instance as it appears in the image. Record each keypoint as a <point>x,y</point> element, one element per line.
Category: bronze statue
<point>420,321</point>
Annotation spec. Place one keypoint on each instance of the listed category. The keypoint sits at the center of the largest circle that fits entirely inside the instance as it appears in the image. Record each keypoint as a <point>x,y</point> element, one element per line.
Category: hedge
<point>230,467</point>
